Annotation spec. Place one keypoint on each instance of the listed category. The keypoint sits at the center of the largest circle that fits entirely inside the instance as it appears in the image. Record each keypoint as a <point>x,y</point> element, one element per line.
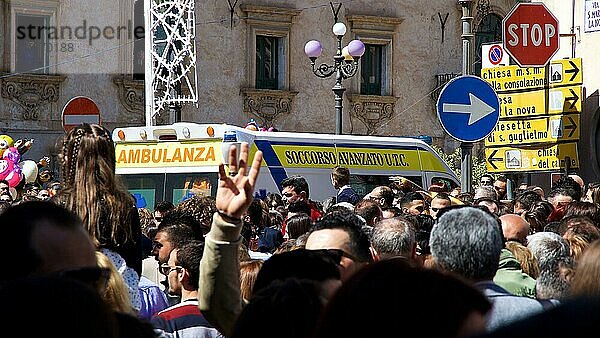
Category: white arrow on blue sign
<point>468,108</point>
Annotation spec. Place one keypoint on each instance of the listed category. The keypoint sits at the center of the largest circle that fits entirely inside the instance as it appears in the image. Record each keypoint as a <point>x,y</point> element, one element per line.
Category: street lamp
<point>345,65</point>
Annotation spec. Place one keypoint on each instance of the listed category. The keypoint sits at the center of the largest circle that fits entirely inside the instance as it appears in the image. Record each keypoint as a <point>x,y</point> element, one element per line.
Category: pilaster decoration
<point>371,110</point>
<point>31,92</point>
<point>267,104</point>
<point>131,95</point>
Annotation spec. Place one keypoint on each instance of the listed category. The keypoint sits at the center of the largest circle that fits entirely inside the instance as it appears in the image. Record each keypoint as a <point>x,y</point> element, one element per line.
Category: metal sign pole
<point>466,164</point>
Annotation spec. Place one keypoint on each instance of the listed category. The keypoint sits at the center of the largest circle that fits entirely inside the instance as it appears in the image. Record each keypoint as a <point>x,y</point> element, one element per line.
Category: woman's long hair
<point>91,188</point>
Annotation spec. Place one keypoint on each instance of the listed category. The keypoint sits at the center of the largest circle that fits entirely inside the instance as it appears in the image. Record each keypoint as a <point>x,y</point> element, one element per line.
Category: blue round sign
<point>468,108</point>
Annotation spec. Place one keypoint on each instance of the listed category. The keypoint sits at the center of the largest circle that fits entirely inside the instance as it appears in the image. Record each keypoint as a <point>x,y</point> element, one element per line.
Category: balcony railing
<point>441,80</point>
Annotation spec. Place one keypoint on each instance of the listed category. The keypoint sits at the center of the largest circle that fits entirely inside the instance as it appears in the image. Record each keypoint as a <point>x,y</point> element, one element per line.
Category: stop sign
<point>530,34</point>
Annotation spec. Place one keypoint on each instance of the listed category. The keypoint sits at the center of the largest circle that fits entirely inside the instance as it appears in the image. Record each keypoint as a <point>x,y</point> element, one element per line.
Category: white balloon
<point>30,170</point>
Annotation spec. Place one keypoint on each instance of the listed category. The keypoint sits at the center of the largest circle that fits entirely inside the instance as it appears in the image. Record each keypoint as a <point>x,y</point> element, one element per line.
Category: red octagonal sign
<point>530,34</point>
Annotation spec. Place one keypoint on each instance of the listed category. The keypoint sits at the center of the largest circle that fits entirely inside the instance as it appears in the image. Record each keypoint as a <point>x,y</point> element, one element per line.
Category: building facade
<point>250,64</point>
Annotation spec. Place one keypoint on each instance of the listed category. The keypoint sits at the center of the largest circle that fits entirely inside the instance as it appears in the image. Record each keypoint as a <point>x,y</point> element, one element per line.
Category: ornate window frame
<point>377,30</point>
<point>269,21</point>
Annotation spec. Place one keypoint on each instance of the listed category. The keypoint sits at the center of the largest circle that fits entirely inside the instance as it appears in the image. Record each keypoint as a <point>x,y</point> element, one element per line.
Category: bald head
<point>514,228</point>
<point>579,180</point>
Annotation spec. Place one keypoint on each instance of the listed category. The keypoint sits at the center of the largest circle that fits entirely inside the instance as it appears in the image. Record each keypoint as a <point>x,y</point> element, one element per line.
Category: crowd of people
<point>436,261</point>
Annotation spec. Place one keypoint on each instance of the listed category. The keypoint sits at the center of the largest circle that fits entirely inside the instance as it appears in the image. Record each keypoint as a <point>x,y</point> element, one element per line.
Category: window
<point>376,65</point>
<point>267,62</point>
<point>364,184</point>
<point>371,70</point>
<point>32,48</point>
<point>149,188</point>
<point>268,43</point>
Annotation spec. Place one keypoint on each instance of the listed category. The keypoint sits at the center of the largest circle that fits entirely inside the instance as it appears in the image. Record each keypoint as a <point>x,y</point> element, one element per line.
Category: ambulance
<point>173,162</point>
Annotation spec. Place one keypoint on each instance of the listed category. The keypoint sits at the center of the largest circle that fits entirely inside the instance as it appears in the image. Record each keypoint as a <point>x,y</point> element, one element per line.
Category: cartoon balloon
<point>6,141</point>
<point>30,170</point>
<point>12,154</point>
<point>15,176</point>
<point>5,168</point>
<point>10,172</point>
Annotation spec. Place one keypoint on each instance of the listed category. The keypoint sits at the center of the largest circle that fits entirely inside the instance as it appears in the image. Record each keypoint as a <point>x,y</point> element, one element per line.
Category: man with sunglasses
<point>500,186</point>
<point>183,271</point>
<point>342,231</point>
<point>171,233</point>
<point>439,201</point>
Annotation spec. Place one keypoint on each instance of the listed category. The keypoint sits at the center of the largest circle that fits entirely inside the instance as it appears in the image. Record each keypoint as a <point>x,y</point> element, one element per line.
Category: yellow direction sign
<point>565,72</point>
<point>535,130</point>
<point>541,102</point>
<point>543,158</point>
<point>514,79</point>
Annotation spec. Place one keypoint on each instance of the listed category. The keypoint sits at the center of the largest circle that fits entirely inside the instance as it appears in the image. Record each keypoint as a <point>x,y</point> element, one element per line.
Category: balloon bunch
<point>12,169</point>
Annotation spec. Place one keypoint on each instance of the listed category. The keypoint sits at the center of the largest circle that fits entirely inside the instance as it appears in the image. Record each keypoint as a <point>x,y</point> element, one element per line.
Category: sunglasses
<point>95,277</point>
<point>420,208</point>
<point>337,254</point>
<point>166,269</point>
<point>158,219</point>
<point>435,209</point>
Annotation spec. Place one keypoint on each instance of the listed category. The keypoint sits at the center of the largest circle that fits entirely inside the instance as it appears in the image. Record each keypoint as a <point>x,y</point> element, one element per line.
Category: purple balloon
<point>313,49</point>
<point>12,154</point>
<point>356,48</point>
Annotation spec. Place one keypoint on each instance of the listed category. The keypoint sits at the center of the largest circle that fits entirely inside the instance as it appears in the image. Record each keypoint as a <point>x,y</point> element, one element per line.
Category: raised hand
<point>44,161</point>
<point>235,191</point>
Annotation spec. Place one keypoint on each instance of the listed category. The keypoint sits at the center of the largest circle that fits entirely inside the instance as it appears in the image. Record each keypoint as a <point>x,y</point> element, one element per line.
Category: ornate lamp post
<point>345,65</point>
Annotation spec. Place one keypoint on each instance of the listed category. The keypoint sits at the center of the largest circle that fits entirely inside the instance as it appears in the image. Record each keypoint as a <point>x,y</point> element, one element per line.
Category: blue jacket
<point>347,194</point>
<point>506,307</point>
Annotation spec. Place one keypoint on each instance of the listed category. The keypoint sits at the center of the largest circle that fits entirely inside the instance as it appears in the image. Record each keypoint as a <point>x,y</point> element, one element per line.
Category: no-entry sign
<point>79,110</point>
<point>530,34</point>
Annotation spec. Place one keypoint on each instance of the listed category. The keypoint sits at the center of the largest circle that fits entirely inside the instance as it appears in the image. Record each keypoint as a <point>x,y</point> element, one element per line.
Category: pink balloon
<point>14,177</point>
<point>12,154</point>
<point>6,168</point>
<point>10,172</point>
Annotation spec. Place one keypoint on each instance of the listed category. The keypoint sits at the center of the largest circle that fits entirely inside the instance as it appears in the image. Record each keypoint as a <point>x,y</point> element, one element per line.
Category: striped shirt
<point>184,320</point>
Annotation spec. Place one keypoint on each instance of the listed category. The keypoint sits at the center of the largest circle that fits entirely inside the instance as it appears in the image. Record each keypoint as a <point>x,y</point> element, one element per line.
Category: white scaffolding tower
<point>170,53</point>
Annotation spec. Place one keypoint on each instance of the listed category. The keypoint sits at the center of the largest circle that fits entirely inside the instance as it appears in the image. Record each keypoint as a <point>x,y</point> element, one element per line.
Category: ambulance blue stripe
<point>277,171</point>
